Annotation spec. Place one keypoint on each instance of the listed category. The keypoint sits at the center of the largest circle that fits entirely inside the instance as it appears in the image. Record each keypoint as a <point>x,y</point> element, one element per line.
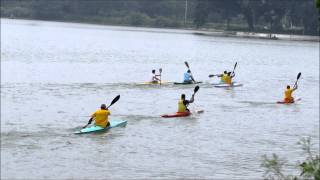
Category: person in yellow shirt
<point>100,117</point>
<point>222,77</point>
<point>228,78</point>
<point>288,94</point>
<point>183,103</point>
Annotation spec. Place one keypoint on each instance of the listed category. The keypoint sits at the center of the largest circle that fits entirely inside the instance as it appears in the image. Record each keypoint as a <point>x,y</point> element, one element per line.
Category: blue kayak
<point>94,128</point>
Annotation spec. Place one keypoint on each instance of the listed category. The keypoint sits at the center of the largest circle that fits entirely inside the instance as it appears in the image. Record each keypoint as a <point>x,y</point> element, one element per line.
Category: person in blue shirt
<point>188,78</point>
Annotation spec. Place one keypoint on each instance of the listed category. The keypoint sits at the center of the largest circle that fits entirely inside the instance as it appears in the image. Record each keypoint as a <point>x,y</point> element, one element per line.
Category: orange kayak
<point>288,102</point>
<point>177,114</point>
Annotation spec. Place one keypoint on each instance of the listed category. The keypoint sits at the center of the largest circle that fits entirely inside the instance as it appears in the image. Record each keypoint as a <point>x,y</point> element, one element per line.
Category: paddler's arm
<point>192,99</point>
<point>89,122</point>
<point>295,87</point>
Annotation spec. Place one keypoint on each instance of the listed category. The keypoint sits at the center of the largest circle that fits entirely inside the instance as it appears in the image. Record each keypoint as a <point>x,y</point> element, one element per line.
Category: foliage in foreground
<point>310,167</point>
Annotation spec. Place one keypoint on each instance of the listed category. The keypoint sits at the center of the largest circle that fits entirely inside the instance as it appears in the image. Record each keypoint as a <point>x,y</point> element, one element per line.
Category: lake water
<point>54,75</point>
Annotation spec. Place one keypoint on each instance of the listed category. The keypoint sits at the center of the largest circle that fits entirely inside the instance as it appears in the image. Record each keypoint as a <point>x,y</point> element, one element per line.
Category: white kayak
<point>223,85</point>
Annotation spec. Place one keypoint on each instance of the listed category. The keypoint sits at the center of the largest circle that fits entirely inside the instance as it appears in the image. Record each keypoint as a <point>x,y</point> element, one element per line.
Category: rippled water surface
<point>54,75</point>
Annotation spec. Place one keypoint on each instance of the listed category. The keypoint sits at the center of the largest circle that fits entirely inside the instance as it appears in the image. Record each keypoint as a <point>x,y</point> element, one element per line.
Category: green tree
<point>201,13</point>
<point>310,167</point>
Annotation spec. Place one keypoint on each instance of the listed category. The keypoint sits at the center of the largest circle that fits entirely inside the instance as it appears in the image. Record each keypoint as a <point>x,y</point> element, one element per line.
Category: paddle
<point>212,75</point>
<point>298,77</point>
<point>112,102</point>
<point>186,63</point>
<point>235,65</point>
<point>196,89</point>
<point>160,70</point>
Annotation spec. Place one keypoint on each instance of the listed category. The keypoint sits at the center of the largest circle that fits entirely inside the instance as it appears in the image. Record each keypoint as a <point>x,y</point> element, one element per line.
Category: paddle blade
<point>235,65</point>
<point>114,100</point>
<point>299,75</point>
<point>211,75</point>
<point>196,89</point>
<point>160,70</point>
<point>186,63</point>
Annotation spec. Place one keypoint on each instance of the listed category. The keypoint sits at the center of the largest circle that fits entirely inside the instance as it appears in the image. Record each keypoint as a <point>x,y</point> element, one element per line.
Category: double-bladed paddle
<point>212,75</point>
<point>196,89</point>
<point>112,102</point>
<point>298,77</point>
<point>235,65</point>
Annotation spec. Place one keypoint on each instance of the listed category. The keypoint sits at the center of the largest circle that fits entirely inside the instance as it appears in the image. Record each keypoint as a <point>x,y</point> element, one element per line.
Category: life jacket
<point>288,95</point>
<point>223,78</point>
<point>228,80</point>
<point>101,117</point>
<point>181,106</point>
<point>186,77</point>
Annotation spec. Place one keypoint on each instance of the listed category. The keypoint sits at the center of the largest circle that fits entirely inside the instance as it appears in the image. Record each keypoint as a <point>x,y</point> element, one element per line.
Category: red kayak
<point>286,102</point>
<point>177,114</point>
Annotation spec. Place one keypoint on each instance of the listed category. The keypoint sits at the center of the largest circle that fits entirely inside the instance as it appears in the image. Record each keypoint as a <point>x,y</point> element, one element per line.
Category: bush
<point>161,21</point>
<point>310,167</point>
<point>16,12</point>
<point>138,19</point>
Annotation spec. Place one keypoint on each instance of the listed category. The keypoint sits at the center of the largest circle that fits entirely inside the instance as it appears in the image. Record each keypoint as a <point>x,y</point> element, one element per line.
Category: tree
<point>227,9</point>
<point>201,13</point>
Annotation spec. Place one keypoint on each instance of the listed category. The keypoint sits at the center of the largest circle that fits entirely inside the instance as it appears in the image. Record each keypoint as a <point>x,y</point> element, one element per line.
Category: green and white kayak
<point>94,128</point>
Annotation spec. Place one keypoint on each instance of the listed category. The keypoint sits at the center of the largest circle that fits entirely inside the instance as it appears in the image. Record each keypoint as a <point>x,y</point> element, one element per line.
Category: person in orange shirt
<point>288,93</point>
<point>100,117</point>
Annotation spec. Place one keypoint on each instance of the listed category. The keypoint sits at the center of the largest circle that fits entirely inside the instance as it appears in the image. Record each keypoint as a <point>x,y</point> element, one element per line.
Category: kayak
<point>284,102</point>
<point>219,85</point>
<point>177,114</point>
<point>183,83</point>
<point>150,83</point>
<point>94,128</point>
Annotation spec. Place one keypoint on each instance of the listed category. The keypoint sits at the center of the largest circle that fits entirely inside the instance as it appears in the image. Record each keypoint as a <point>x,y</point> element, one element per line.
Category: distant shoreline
<point>201,31</point>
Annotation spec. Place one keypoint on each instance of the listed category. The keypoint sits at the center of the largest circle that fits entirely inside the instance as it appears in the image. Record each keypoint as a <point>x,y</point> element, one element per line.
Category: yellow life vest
<point>228,80</point>
<point>101,117</point>
<point>288,94</point>
<point>181,106</point>
<point>223,77</point>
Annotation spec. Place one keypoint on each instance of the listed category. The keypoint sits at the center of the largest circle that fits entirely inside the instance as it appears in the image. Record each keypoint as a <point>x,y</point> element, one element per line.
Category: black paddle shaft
<point>298,77</point>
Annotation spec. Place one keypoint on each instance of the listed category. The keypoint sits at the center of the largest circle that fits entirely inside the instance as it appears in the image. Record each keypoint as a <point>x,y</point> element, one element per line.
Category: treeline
<point>270,16</point>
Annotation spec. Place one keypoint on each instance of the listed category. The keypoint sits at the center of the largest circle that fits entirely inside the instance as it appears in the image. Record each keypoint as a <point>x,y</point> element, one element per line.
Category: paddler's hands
<point>90,120</point>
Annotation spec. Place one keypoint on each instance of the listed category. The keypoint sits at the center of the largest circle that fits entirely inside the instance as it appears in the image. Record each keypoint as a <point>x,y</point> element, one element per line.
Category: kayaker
<point>288,94</point>
<point>183,103</point>
<point>100,117</point>
<point>223,76</point>
<point>187,77</point>
<point>228,78</point>
<point>155,76</point>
